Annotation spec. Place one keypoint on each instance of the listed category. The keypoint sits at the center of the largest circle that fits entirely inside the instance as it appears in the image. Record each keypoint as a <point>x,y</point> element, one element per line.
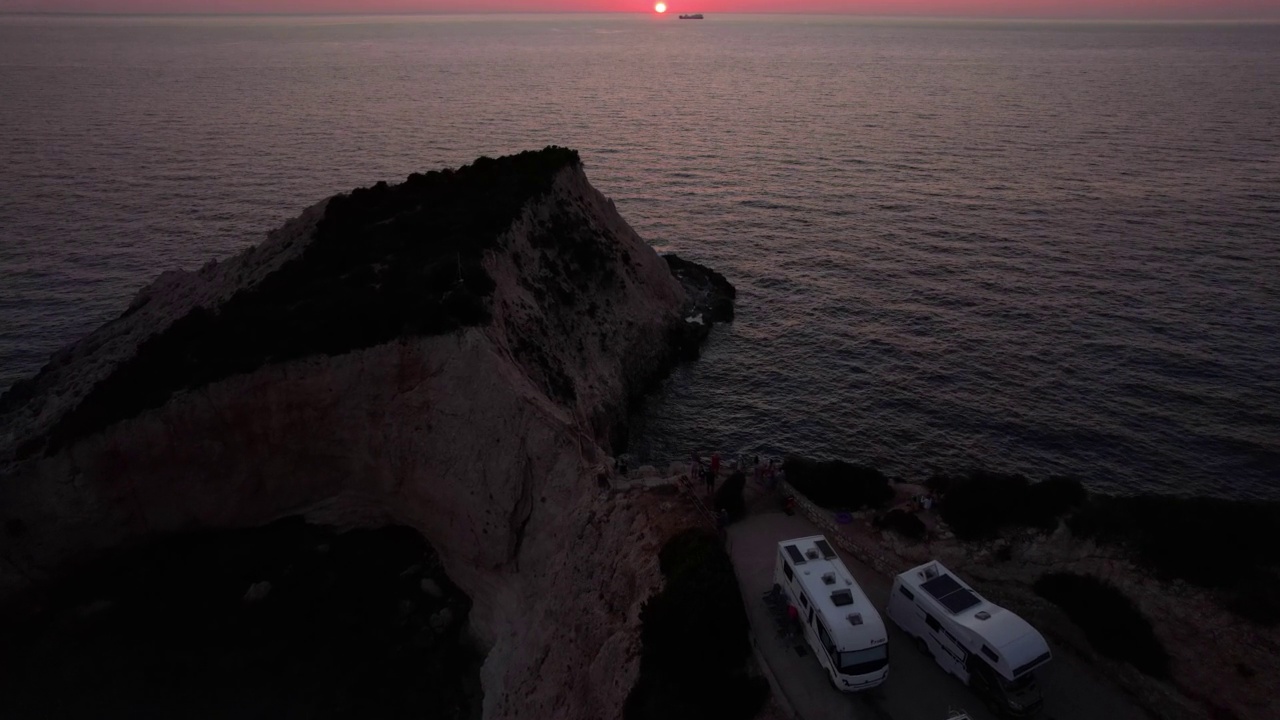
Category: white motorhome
<point>840,624</point>
<point>989,648</point>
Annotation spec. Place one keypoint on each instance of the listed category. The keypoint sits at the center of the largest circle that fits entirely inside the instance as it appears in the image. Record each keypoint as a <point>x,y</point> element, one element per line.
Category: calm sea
<point>1046,248</point>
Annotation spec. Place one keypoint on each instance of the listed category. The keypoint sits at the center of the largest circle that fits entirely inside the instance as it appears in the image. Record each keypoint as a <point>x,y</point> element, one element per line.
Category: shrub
<point>903,523</point>
<point>835,484</point>
<point>1210,542</point>
<point>978,505</point>
<point>729,496</point>
<point>345,628</point>
<point>695,639</point>
<point>1049,500</point>
<point>1256,596</point>
<point>1112,623</point>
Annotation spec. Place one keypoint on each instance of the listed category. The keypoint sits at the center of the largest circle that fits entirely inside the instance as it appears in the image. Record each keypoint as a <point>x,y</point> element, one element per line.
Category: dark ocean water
<point>1046,248</point>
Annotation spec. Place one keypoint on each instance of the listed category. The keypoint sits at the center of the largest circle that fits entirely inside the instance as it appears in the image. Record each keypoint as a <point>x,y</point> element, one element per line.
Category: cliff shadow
<point>287,620</point>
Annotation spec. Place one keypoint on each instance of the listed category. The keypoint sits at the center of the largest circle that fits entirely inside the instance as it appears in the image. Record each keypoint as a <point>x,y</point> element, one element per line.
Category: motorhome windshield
<point>1021,683</point>
<point>866,661</point>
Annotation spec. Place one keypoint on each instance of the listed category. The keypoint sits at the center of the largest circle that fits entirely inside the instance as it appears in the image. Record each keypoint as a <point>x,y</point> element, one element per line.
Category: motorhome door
<point>956,656</point>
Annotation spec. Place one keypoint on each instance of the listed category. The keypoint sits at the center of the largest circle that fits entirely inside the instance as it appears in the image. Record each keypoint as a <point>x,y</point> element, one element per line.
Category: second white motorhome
<point>989,648</point>
<point>840,624</point>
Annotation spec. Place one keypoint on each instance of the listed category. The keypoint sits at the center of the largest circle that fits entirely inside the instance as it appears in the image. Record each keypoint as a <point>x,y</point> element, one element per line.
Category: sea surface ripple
<point>1049,248</point>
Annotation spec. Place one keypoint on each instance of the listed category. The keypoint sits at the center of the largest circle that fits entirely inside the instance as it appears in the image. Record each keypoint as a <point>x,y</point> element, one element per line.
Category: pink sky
<point>1163,9</point>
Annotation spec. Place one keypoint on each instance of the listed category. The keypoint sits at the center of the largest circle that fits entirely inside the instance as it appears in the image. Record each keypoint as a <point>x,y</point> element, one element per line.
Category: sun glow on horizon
<point>660,8</point>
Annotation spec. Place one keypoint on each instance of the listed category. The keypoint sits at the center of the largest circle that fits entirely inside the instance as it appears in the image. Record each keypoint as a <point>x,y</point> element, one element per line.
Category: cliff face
<point>450,354</point>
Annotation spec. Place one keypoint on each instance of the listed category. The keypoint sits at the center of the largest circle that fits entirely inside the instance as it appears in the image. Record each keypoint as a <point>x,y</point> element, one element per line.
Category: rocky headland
<point>455,354</point>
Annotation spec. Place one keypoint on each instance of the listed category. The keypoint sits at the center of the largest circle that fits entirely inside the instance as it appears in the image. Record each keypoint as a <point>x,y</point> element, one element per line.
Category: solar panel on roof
<point>953,596</point>
<point>941,586</point>
<point>794,552</point>
<point>960,600</point>
<point>825,548</point>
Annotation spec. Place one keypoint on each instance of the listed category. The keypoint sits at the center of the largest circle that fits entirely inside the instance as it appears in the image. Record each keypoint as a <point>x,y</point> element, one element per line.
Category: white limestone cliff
<point>471,437</point>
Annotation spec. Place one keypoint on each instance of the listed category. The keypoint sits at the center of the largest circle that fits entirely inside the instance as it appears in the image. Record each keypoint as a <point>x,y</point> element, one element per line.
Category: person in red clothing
<point>793,614</point>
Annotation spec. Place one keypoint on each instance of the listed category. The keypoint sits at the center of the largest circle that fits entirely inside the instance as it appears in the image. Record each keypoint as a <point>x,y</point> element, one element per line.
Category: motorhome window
<point>842,598</point>
<point>804,600</point>
<point>934,625</point>
<point>991,654</point>
<point>786,570</point>
<point>862,662</point>
<point>1031,665</point>
<point>826,640</point>
<point>794,552</point>
<point>903,589</point>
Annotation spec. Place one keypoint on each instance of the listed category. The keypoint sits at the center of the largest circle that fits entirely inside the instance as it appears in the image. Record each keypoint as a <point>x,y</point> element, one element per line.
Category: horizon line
<point>428,13</point>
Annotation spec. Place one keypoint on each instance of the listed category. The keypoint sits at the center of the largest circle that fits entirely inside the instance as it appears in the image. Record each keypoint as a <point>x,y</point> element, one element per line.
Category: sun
<point>660,8</point>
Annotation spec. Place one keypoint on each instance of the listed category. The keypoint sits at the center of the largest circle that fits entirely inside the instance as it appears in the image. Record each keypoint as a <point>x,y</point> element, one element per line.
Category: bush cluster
<point>838,485</point>
<point>1224,544</point>
<point>387,261</point>
<point>979,504</point>
<point>729,496</point>
<point>345,630</point>
<point>904,523</point>
<point>1112,623</point>
<point>695,640</point>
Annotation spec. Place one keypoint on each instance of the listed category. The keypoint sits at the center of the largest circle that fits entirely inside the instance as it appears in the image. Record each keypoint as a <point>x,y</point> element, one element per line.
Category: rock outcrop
<point>453,354</point>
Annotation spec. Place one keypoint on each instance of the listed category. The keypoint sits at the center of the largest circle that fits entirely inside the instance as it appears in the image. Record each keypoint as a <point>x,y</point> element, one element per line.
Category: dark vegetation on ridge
<point>978,504</point>
<point>359,624</point>
<point>695,638</point>
<point>1226,545</point>
<point>1223,545</point>
<point>387,261</point>
<point>836,484</point>
<point>1111,622</point>
<point>907,524</point>
<point>729,496</point>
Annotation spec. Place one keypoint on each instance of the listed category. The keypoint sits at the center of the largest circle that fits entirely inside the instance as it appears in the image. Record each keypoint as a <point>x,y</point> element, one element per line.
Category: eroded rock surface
<point>451,354</point>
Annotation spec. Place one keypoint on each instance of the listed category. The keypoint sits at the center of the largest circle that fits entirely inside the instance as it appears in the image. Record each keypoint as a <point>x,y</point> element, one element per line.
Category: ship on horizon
<point>695,16</point>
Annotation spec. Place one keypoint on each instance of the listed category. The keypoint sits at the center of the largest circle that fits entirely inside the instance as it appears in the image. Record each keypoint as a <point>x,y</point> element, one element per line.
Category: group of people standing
<point>766,474</point>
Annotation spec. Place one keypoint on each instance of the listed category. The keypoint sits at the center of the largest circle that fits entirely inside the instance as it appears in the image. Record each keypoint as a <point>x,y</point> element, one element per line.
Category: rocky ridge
<point>453,354</point>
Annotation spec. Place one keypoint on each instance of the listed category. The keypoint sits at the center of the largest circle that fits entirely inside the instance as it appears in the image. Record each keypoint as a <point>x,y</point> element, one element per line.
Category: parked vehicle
<point>839,622</point>
<point>989,648</point>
